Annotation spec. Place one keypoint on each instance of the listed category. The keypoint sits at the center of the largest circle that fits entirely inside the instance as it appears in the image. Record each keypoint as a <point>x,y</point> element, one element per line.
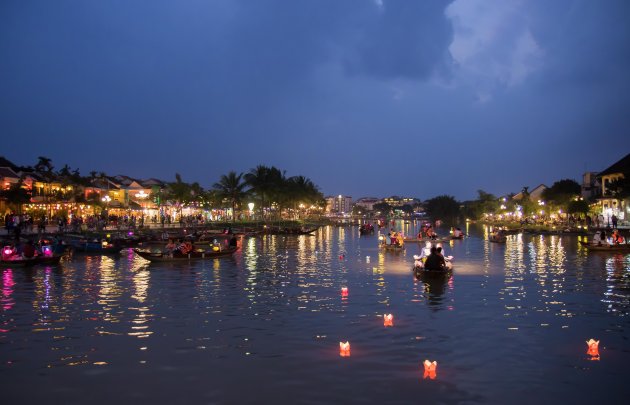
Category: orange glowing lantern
<point>344,291</point>
<point>593,348</point>
<point>344,349</point>
<point>430,369</point>
<point>388,320</point>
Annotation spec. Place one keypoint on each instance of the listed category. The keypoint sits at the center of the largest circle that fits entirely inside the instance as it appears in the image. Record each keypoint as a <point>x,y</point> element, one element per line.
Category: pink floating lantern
<point>430,369</point>
<point>593,348</point>
<point>344,349</point>
<point>388,320</point>
<point>344,291</point>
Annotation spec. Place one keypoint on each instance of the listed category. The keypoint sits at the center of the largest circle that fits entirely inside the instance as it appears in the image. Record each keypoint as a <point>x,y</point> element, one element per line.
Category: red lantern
<point>388,320</point>
<point>344,291</point>
<point>430,369</point>
<point>344,349</point>
<point>593,349</point>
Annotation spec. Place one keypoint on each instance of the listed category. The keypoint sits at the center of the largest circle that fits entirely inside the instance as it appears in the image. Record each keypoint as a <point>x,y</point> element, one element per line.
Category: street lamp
<point>106,200</point>
<point>251,208</point>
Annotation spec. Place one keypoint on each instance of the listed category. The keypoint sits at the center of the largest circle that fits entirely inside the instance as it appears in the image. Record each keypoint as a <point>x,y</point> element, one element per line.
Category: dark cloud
<point>345,92</point>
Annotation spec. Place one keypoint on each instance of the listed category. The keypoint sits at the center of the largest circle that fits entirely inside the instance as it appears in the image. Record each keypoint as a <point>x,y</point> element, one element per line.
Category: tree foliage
<point>443,207</point>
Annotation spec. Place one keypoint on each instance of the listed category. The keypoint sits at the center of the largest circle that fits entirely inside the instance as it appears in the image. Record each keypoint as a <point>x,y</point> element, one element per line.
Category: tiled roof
<point>621,166</point>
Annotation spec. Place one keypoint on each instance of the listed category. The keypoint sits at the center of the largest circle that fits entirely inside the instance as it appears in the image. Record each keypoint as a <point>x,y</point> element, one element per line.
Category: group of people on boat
<point>366,229</point>
<point>396,238</point>
<point>615,238</point>
<point>457,233</point>
<point>22,251</point>
<point>432,258</point>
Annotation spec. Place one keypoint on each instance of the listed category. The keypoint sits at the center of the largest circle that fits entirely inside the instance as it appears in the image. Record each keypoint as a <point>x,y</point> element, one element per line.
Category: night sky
<point>364,97</point>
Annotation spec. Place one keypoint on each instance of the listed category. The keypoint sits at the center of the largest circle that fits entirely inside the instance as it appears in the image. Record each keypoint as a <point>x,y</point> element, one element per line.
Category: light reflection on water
<point>273,315</point>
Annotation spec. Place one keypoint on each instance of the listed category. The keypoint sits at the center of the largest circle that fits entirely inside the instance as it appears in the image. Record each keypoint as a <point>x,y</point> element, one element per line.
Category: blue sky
<point>365,97</point>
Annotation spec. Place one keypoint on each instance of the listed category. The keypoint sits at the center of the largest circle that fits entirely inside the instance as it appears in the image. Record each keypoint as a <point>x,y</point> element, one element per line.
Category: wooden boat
<point>194,255</point>
<point>421,272</point>
<point>366,230</point>
<point>605,247</point>
<point>457,237</point>
<point>22,262</point>
<point>393,248</point>
<point>418,240</point>
<point>497,239</point>
<point>83,245</point>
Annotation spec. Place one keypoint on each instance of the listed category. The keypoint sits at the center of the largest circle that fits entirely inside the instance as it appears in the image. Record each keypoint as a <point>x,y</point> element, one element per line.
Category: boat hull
<point>205,255</point>
<point>47,260</point>
<point>606,247</point>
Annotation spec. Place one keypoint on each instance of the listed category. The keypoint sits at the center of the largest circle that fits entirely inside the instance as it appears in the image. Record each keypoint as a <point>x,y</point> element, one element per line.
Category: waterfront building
<point>610,204</point>
<point>534,195</point>
<point>396,201</point>
<point>339,204</point>
<point>591,187</point>
<point>366,203</point>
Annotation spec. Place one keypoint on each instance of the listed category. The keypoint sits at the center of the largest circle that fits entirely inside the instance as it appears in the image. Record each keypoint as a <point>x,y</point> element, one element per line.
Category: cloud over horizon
<point>346,93</point>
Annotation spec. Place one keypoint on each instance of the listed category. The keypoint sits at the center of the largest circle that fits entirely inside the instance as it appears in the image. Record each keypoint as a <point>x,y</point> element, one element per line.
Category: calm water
<point>264,326</point>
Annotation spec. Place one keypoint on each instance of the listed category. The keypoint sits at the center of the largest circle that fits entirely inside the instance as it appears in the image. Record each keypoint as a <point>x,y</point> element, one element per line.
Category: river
<point>264,326</point>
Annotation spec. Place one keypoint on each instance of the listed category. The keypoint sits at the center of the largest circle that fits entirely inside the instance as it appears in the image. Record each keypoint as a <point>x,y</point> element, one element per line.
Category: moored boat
<point>84,245</point>
<point>392,247</point>
<point>606,247</point>
<point>194,255</point>
<point>25,262</point>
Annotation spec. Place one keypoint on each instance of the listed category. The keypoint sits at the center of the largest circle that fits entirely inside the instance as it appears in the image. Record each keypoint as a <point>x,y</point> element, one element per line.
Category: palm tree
<point>44,167</point>
<point>268,184</point>
<point>302,190</point>
<point>180,192</point>
<point>232,188</point>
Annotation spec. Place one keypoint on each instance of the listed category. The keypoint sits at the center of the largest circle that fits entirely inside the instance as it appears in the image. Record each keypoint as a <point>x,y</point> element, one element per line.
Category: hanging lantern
<point>47,251</point>
<point>593,349</point>
<point>344,291</point>
<point>388,320</point>
<point>344,349</point>
<point>430,369</point>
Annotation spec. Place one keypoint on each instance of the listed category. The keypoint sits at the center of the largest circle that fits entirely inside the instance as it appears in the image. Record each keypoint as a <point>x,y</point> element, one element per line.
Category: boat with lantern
<point>421,240</point>
<point>10,258</point>
<point>102,246</point>
<point>197,254</point>
<point>606,247</point>
<point>497,237</point>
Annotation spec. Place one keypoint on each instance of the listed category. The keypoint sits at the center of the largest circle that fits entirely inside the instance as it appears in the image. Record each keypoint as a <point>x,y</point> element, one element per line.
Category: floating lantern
<point>344,291</point>
<point>344,349</point>
<point>388,320</point>
<point>593,349</point>
<point>47,250</point>
<point>7,250</point>
<point>430,369</point>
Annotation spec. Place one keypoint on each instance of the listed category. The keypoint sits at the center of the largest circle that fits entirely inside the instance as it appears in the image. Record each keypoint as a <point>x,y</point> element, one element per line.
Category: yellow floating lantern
<point>593,349</point>
<point>344,349</point>
<point>430,369</point>
<point>388,320</point>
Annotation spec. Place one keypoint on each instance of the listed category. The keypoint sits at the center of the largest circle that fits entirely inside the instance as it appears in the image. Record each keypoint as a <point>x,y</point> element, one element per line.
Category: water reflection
<point>7,289</point>
<point>274,313</point>
<point>616,297</point>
